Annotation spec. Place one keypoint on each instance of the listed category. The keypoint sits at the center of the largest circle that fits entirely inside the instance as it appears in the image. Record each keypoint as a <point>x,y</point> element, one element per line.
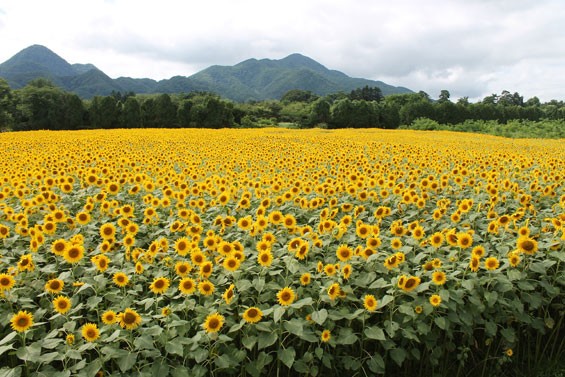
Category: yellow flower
<point>410,283</point>
<point>187,286</point>
<point>74,253</point>
<point>206,288</point>
<point>265,258</point>
<point>108,231</point>
<point>252,315</point>
<point>435,300</point>
<point>109,317</point>
<point>326,336</point>
<point>70,339</point>
<point>61,304</point>
<point>491,263</point>
<point>213,323</point>
<point>286,296</point>
<point>129,319</point>
<point>120,279</point>
<point>344,253</point>
<point>334,291</point>
<point>438,277</point>
<point>21,321</point>
<point>370,303</point>
<point>90,332</point>
<point>305,278</point>
<point>229,294</point>
<point>6,282</point>
<point>231,264</point>
<point>159,285</point>
<point>527,245</point>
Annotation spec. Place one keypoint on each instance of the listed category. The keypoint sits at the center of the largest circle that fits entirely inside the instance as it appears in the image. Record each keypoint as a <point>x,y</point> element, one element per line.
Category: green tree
<point>131,113</point>
<point>319,113</point>
<point>7,105</point>
<point>165,111</point>
<point>298,95</point>
<point>444,96</point>
<point>367,94</point>
<point>183,113</point>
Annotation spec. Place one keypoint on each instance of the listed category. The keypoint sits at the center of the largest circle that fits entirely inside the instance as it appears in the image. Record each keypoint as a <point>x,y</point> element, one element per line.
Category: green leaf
<point>259,284</point>
<point>375,332</point>
<point>300,303</point>
<point>51,343</point>
<point>13,372</point>
<point>3,349</point>
<point>237,326</point>
<point>143,342</point>
<point>160,368</point>
<point>509,335</point>
<point>249,341</point>
<point>287,356</point>
<point>29,353</point>
<point>92,368</point>
<point>385,301</point>
<point>181,371</point>
<point>441,322</point>
<point>224,361</point>
<point>266,340</point>
<point>200,355</point>
<point>112,337</point>
<point>525,286</point>
<point>294,326</point>
<point>346,336</point>
<point>490,328</point>
<point>491,298</point>
<point>301,367</point>
<point>398,355</point>
<point>8,337</point>
<point>376,364</point>
<point>174,347</point>
<point>49,357</point>
<point>278,313</point>
<point>125,363</point>
<point>320,316</point>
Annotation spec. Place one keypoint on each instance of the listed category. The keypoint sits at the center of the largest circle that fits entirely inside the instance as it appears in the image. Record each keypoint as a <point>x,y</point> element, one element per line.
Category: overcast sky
<point>470,47</point>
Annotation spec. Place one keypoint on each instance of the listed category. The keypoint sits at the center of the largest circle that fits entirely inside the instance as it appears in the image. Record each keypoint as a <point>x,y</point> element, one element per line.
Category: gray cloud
<point>470,47</point>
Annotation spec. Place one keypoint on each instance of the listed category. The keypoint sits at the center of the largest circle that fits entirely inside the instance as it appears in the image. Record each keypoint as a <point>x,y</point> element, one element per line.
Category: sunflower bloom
<point>252,315</point>
<point>61,304</point>
<point>435,300</point>
<point>370,303</point>
<point>187,286</point>
<point>90,332</point>
<point>213,323</point>
<point>326,336</point>
<point>129,319</point>
<point>439,278</point>
<point>286,296</point>
<point>159,285</point>
<point>21,321</point>
<point>6,282</point>
<point>109,317</point>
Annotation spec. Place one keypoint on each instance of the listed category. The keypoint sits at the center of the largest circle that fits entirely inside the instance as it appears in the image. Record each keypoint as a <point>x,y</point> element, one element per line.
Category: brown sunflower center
<point>129,318</point>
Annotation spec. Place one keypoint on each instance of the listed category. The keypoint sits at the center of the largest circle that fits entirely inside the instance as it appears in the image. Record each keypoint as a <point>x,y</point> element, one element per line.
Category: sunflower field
<point>280,252</point>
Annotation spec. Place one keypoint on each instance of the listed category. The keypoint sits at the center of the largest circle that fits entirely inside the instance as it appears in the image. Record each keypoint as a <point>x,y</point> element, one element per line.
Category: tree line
<point>42,105</point>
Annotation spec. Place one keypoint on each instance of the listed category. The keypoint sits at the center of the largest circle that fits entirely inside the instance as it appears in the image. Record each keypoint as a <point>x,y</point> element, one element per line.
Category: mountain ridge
<point>249,80</point>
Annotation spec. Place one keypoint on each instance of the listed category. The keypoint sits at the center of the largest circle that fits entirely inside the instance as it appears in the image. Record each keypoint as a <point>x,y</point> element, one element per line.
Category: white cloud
<point>470,47</point>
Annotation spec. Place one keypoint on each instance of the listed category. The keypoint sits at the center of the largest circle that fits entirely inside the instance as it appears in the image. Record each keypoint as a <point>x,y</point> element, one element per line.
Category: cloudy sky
<point>472,48</point>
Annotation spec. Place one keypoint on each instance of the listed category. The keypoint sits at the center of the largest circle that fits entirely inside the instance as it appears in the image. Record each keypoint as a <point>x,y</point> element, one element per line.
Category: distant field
<point>280,252</point>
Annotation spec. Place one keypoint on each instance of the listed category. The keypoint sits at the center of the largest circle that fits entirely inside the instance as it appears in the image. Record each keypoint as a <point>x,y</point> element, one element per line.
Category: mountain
<point>251,79</point>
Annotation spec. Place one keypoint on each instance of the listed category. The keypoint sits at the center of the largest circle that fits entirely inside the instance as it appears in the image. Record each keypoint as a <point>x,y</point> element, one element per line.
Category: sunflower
<point>83,218</point>
<point>478,251</point>
<point>61,304</point>
<point>187,286</point>
<point>197,257</point>
<point>206,269</point>
<point>265,258</point>
<point>120,279</point>
<point>285,296</point>
<point>159,285</point>
<point>21,321</point>
<point>252,315</point>
<point>513,259</point>
<point>410,283</point>
<point>213,323</point>
<point>370,303</point>
<point>108,231</point>
<point>474,264</point>
<point>182,268</point>
<point>329,269</point>
<point>26,263</point>
<point>491,263</point>
<point>438,277</point>
<point>305,278</point>
<point>344,253</point>
<point>229,294</point>
<point>101,262</point>
<point>139,268</point>
<point>90,332</point>
<point>182,246</point>
<point>74,253</point>
<point>391,262</point>
<point>396,243</point>
<point>129,319</point>
<point>527,245</point>
<point>6,282</point>
<point>464,240</point>
<point>326,336</point>
<point>363,230</point>
<point>70,339</point>
<point>334,291</point>
<point>206,288</point>
<point>346,271</point>
<point>435,300</point>
<point>436,240</point>
<point>231,263</point>
<point>109,317</point>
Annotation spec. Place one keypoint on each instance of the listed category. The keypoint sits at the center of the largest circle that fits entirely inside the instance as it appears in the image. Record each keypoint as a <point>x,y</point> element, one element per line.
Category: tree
<point>298,95</point>
<point>165,111</point>
<point>319,113</point>
<point>444,96</point>
<point>7,105</point>
<point>183,113</point>
<point>367,94</point>
<point>131,113</point>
